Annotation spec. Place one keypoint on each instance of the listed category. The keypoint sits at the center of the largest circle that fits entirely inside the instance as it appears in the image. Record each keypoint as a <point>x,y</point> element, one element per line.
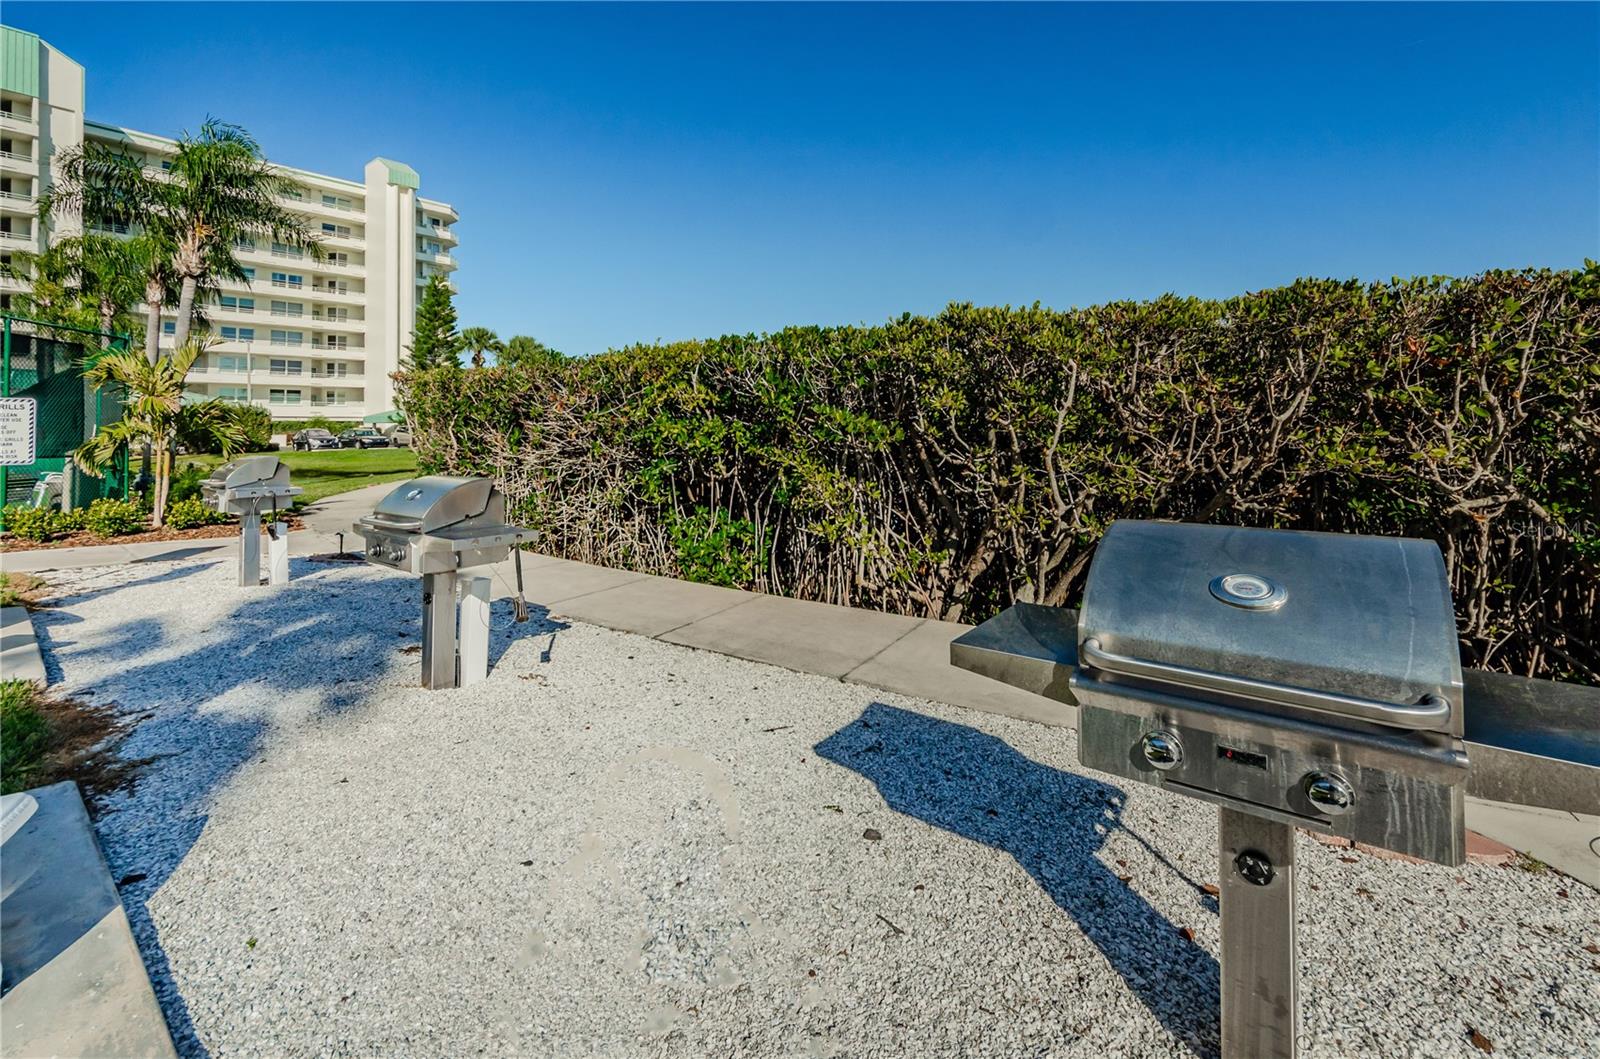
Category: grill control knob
<point>1329,794</point>
<point>1162,750</point>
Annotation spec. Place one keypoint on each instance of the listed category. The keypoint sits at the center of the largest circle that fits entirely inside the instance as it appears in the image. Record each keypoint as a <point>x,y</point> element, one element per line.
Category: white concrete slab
<point>651,606</point>
<point>1568,842</point>
<point>796,634</point>
<point>19,647</point>
<point>76,983</point>
<point>919,664</point>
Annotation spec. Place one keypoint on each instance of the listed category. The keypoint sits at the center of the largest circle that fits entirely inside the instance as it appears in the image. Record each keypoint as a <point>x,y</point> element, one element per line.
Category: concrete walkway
<point>897,653</point>
<point>75,982</point>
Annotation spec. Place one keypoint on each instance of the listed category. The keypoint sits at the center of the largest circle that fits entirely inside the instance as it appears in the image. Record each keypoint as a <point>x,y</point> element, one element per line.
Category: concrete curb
<point>19,647</point>
<point>75,983</point>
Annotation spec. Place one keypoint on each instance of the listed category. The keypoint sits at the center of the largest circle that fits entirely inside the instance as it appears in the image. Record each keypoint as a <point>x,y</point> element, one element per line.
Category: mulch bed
<point>84,539</point>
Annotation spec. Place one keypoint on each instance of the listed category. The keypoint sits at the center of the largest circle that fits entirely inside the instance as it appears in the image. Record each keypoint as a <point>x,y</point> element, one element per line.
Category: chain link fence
<point>46,362</point>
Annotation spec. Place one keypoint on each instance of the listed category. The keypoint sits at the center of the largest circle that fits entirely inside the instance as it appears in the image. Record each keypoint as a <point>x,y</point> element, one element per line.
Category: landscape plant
<point>217,189</point>
<point>154,413</point>
<point>479,341</point>
<point>434,340</point>
<point>952,465</point>
<point>113,518</point>
<point>192,512</point>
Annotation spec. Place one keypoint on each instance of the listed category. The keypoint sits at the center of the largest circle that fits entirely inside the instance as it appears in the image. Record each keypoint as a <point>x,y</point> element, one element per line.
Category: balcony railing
<point>289,285</point>
<point>15,157</point>
<point>16,237</point>
<point>19,196</point>
<point>15,120</point>
<point>296,254</point>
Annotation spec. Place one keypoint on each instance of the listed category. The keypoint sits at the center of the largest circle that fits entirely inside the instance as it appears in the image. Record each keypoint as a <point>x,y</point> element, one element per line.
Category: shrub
<point>953,465</point>
<point>70,521</point>
<point>112,518</point>
<point>24,735</point>
<point>30,523</point>
<point>192,512</point>
<point>186,482</point>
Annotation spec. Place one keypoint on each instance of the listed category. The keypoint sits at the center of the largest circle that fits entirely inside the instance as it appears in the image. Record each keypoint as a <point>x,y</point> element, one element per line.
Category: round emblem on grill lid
<point>1250,591</point>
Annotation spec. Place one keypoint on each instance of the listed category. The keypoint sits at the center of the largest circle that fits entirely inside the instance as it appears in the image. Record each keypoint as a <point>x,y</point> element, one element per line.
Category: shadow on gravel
<point>1052,823</point>
<point>321,645</point>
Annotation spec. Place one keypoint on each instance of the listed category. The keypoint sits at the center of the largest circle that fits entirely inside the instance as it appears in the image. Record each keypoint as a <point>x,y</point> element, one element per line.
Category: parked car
<point>363,438</point>
<point>400,436</point>
<point>313,438</point>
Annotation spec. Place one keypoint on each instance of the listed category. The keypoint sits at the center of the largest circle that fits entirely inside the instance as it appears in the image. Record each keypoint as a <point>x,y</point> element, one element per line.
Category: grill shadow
<point>1052,823</point>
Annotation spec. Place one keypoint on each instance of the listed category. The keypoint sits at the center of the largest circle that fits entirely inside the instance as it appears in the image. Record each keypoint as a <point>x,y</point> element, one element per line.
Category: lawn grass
<point>333,471</point>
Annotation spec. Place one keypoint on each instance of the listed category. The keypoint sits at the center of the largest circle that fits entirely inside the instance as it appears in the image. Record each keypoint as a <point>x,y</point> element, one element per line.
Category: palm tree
<point>49,296</point>
<point>478,341</point>
<point>218,189</point>
<point>153,414</point>
<point>88,281</point>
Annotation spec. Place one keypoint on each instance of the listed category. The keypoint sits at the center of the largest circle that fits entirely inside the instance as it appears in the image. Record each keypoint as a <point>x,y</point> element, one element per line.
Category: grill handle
<point>1431,713</point>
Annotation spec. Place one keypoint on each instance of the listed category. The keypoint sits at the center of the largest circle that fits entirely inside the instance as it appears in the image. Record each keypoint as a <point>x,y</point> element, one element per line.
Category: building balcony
<point>442,233</point>
<point>23,121</point>
<point>334,294</point>
<point>18,239</point>
<point>331,323</point>
<point>313,206</point>
<point>18,200</point>
<point>15,162</point>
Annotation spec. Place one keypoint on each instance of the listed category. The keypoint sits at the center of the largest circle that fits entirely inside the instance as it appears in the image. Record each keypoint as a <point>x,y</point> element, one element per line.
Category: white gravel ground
<point>621,847</point>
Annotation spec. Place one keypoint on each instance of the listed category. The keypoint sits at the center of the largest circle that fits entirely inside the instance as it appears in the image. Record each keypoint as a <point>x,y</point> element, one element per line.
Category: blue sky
<point>632,173</point>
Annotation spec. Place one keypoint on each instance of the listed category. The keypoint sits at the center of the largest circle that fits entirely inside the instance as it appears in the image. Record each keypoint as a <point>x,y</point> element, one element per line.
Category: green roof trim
<point>402,175</point>
<point>19,61</point>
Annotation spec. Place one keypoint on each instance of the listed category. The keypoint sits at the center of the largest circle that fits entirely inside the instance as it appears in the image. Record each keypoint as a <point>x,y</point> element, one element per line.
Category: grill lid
<point>433,502</point>
<point>248,471</point>
<point>1336,623</point>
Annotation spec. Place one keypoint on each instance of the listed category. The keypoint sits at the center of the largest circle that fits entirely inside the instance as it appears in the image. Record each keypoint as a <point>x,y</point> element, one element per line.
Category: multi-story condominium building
<point>300,337</point>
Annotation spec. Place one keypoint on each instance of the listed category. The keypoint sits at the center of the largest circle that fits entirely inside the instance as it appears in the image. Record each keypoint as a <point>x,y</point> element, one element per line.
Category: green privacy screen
<point>46,363</point>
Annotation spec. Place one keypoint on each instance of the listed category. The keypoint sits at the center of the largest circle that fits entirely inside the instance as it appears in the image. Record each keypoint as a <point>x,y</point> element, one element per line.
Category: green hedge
<point>949,466</point>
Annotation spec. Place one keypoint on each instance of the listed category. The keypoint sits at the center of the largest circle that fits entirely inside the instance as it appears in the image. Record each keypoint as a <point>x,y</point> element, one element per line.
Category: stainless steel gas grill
<point>243,488</point>
<point>436,527</point>
<point>1306,678</point>
<point>1294,680</point>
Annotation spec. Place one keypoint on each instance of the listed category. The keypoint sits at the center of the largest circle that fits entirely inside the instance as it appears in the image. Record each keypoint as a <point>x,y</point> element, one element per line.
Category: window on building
<point>287,338</point>
<point>281,366</point>
<point>169,327</point>
<point>288,309</point>
<point>243,305</point>
<point>342,231</point>
<point>338,202</point>
<point>283,396</point>
<point>287,279</point>
<point>233,394</point>
<point>239,334</point>
<point>338,259</point>
<point>249,274</point>
<point>293,193</point>
<point>284,250</point>
<point>244,242</point>
<point>227,363</point>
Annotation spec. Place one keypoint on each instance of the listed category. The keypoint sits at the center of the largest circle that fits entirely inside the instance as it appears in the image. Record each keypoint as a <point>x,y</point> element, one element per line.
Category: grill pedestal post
<point>474,634</point>
<point>439,630</point>
<point>278,554</point>
<point>249,548</point>
<point>1260,980</point>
